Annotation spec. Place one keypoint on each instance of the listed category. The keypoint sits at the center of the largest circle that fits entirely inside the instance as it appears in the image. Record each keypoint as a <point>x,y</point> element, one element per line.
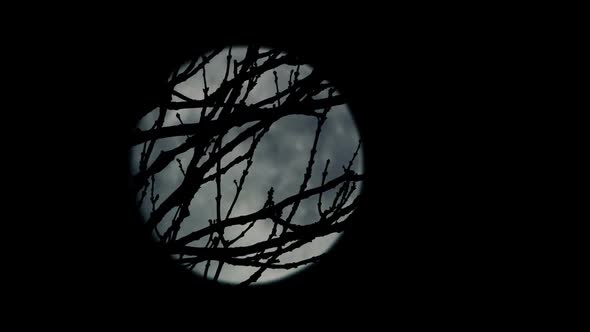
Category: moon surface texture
<point>279,161</point>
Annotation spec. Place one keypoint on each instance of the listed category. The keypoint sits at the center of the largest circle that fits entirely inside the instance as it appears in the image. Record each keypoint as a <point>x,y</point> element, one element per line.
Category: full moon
<point>280,160</point>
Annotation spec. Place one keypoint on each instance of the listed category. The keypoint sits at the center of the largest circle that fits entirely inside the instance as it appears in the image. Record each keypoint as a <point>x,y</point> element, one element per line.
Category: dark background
<point>441,227</point>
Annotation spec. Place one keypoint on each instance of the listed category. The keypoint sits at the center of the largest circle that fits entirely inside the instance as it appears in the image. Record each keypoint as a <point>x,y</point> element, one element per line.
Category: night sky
<point>279,162</point>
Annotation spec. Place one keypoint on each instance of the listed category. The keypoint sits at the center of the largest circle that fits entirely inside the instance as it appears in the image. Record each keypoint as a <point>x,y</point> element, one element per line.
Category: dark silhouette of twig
<point>324,175</point>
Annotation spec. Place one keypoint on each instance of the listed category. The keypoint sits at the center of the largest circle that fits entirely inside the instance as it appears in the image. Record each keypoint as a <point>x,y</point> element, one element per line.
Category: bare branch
<point>324,175</point>
<point>248,155</point>
<point>310,163</point>
<point>180,166</point>
<point>189,72</point>
<point>267,212</point>
<point>305,232</point>
<point>247,114</point>
<point>183,97</point>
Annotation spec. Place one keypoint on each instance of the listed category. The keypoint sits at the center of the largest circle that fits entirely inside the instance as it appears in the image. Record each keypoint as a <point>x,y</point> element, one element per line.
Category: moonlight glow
<point>279,161</point>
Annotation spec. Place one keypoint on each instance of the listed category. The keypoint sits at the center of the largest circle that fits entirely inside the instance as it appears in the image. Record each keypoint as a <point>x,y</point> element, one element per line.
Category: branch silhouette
<point>225,107</point>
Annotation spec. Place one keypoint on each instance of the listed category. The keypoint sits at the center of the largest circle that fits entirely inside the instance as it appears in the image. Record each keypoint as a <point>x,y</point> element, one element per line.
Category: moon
<point>279,161</point>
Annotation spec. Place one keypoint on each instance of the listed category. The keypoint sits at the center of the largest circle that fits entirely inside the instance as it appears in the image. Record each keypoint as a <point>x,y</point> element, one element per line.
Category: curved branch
<point>267,212</point>
<point>304,233</point>
<point>247,114</point>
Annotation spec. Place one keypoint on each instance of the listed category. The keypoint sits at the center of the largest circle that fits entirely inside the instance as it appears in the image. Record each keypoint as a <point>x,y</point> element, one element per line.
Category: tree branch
<point>306,232</point>
<point>247,114</point>
<point>267,212</point>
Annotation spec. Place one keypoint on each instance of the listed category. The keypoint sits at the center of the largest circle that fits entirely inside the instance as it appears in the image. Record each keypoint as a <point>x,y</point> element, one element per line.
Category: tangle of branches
<point>219,111</point>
